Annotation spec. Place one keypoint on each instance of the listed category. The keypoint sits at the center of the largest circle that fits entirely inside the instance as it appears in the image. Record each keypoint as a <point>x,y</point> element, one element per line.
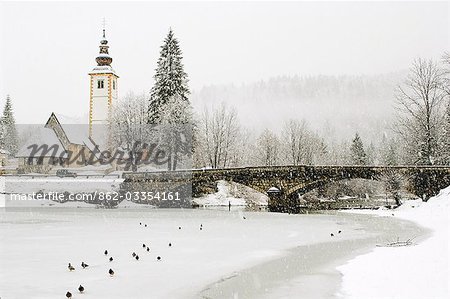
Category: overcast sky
<point>47,49</point>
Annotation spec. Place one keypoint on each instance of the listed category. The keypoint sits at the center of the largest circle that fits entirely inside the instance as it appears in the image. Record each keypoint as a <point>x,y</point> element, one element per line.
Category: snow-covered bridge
<point>424,181</point>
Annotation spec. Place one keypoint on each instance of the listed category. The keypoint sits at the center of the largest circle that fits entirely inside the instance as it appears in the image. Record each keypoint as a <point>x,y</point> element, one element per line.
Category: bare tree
<point>444,136</point>
<point>300,145</point>
<point>393,182</point>
<point>129,129</point>
<point>268,146</point>
<point>419,102</point>
<point>446,73</point>
<point>241,154</point>
<point>217,136</point>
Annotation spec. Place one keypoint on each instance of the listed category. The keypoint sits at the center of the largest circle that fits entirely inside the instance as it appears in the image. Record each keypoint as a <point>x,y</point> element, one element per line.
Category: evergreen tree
<point>175,132</point>
<point>391,155</point>
<point>9,137</point>
<point>170,79</point>
<point>388,152</point>
<point>445,138</point>
<point>371,155</point>
<point>357,153</point>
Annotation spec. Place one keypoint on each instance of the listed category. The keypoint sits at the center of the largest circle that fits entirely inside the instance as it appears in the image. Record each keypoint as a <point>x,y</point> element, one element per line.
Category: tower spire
<point>103,58</point>
<point>104,27</point>
<point>103,91</point>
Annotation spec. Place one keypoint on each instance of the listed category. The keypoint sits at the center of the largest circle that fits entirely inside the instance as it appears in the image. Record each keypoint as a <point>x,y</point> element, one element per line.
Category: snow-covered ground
<point>234,194</point>
<point>419,271</point>
<point>237,253</point>
<point>37,245</point>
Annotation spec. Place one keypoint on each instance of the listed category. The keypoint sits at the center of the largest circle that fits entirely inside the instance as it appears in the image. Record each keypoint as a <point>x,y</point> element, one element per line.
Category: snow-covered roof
<point>75,130</point>
<point>103,69</point>
<point>42,136</point>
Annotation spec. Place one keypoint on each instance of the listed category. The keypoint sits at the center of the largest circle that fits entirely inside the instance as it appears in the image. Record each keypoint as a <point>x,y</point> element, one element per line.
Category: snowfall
<point>419,271</point>
<point>216,253</point>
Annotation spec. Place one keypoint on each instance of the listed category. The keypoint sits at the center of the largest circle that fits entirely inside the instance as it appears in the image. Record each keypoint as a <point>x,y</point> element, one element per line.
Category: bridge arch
<point>424,181</point>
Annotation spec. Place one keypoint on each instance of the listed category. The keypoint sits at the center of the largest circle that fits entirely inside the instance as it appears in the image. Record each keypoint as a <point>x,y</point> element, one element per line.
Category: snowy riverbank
<point>408,272</point>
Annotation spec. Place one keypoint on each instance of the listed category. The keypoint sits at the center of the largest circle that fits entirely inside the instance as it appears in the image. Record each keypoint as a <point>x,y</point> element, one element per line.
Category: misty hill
<point>335,106</point>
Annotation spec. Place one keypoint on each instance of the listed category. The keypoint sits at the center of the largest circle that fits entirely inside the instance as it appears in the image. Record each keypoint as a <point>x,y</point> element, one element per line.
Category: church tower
<point>103,91</point>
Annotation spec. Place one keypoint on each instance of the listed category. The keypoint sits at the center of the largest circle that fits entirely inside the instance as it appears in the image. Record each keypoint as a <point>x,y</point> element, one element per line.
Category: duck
<point>140,223</point>
<point>339,232</point>
<point>148,249</point>
<point>106,252</point>
<point>84,265</point>
<point>332,234</point>
<point>69,295</point>
<point>143,245</point>
<point>111,259</point>
<point>71,268</point>
<point>145,225</point>
<point>170,244</point>
<point>81,289</point>
<point>111,272</point>
<point>134,254</point>
<point>158,258</point>
<point>179,227</point>
<point>137,257</point>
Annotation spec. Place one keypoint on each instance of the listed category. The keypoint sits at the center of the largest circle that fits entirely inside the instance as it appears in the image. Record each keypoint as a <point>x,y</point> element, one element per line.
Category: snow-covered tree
<point>217,137</point>
<point>300,145</point>
<point>393,183</point>
<point>445,137</point>
<point>388,152</point>
<point>175,132</point>
<point>392,156</point>
<point>170,79</point>
<point>357,152</point>
<point>420,101</point>
<point>295,142</point>
<point>268,147</point>
<point>8,135</point>
<point>371,154</point>
<point>446,73</point>
<point>129,128</point>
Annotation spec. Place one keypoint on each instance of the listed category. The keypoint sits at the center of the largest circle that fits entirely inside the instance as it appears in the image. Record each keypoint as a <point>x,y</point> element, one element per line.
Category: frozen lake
<point>265,254</point>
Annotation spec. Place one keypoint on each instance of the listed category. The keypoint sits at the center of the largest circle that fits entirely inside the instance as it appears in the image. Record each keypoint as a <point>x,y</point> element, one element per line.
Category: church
<point>69,137</point>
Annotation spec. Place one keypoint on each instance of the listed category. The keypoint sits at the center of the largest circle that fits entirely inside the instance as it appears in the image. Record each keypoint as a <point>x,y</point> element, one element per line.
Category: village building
<point>60,143</point>
<point>64,143</point>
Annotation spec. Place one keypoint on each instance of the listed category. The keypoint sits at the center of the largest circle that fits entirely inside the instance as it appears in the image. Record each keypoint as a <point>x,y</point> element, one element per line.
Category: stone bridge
<point>291,181</point>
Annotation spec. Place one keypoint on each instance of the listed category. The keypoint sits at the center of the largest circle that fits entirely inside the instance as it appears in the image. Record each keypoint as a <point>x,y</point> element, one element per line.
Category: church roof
<point>76,131</point>
<point>42,136</point>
